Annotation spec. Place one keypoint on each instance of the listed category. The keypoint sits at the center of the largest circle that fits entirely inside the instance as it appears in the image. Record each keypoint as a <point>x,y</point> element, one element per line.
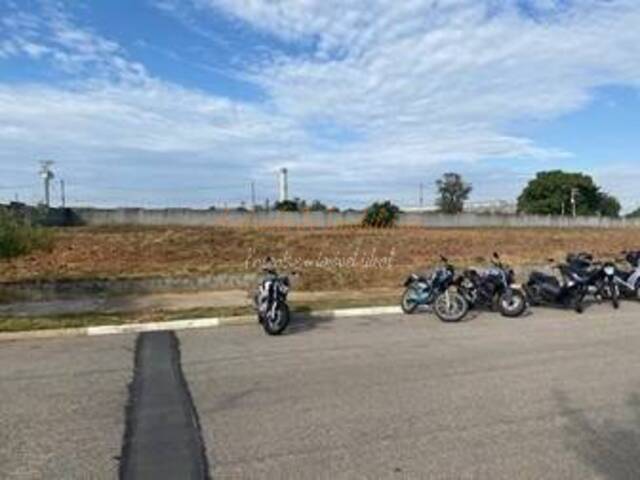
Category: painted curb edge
<point>187,324</point>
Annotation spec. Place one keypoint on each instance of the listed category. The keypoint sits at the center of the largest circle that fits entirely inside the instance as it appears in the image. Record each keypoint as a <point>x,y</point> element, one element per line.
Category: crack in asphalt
<point>162,438</point>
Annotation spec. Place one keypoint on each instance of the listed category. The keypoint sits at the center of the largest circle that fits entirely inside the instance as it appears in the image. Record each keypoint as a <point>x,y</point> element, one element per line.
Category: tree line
<point>552,192</point>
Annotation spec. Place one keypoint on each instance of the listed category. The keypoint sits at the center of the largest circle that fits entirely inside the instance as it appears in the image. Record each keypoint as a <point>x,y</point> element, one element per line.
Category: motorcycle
<point>544,289</point>
<point>493,288</point>
<point>448,304</point>
<point>270,301</point>
<point>599,277</point>
<point>629,281</point>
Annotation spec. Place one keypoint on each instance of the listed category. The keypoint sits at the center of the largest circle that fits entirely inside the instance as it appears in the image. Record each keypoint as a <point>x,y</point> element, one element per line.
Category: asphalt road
<point>62,407</point>
<point>552,395</point>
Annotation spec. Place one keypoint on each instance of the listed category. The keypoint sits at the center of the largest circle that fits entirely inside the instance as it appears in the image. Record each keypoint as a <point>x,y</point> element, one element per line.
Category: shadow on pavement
<point>611,449</point>
<point>302,322</point>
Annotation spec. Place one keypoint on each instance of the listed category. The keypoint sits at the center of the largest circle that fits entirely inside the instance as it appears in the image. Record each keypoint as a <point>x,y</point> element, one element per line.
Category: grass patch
<point>19,237</point>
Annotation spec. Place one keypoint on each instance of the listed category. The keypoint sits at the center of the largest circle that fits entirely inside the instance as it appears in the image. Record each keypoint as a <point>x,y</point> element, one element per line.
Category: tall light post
<point>47,175</point>
<point>574,194</point>
<point>283,184</point>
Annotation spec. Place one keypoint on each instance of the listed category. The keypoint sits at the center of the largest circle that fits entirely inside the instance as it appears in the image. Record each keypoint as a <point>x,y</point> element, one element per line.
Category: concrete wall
<point>190,217</point>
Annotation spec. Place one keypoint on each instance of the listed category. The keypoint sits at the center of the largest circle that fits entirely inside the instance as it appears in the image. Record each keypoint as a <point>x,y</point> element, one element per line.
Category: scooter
<point>448,304</point>
<point>494,288</point>
<point>544,289</point>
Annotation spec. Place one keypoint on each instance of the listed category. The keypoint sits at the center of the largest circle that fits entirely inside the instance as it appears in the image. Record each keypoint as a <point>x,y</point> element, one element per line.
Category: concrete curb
<point>188,324</point>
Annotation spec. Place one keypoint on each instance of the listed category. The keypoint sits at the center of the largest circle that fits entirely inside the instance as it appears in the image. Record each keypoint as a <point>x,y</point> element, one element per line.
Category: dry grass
<point>144,252</point>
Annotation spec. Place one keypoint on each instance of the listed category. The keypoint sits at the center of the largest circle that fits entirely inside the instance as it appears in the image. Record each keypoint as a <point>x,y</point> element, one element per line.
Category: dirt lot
<point>328,259</point>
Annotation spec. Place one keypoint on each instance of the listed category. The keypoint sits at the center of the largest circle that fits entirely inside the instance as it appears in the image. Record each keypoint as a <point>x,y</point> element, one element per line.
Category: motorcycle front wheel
<point>450,306</point>
<point>615,296</point>
<point>513,304</point>
<point>276,324</point>
<point>611,291</point>
<point>409,304</point>
<point>577,302</point>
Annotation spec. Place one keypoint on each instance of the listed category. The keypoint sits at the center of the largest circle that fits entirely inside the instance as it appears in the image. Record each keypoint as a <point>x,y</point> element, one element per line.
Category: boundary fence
<point>192,217</point>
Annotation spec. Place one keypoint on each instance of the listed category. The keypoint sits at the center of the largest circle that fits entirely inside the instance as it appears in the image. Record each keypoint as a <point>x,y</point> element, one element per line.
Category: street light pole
<point>574,193</point>
<point>47,175</point>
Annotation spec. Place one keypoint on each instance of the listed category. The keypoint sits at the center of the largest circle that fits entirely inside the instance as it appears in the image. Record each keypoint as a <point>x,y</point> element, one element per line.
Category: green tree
<point>550,193</point>
<point>381,215</point>
<point>634,214</point>
<point>609,206</point>
<point>452,193</point>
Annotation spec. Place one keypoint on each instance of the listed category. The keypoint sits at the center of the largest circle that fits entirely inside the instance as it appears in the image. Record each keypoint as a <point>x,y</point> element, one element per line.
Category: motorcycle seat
<point>543,278</point>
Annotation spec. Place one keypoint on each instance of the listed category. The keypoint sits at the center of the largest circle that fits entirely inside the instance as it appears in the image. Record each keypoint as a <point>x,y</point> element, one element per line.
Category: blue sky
<point>186,102</point>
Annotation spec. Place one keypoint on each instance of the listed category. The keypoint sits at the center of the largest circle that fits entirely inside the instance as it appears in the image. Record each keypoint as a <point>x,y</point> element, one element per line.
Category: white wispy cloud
<point>51,35</point>
<point>410,86</point>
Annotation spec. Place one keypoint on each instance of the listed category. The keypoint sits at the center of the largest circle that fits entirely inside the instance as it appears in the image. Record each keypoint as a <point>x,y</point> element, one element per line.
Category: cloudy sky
<point>185,102</point>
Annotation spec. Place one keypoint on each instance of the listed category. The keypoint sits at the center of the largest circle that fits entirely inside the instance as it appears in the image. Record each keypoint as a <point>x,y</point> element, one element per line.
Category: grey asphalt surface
<point>62,407</point>
<point>553,395</point>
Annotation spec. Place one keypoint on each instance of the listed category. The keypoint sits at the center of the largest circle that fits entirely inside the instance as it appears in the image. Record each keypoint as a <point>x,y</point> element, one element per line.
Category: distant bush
<point>287,206</point>
<point>19,237</point>
<point>380,215</point>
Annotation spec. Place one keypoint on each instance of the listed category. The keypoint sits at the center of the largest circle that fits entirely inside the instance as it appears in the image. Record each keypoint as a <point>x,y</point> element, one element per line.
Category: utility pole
<point>253,195</point>
<point>47,175</point>
<point>63,196</point>
<point>574,193</point>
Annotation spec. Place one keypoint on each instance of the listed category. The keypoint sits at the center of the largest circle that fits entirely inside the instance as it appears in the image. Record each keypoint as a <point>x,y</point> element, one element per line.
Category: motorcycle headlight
<point>609,270</point>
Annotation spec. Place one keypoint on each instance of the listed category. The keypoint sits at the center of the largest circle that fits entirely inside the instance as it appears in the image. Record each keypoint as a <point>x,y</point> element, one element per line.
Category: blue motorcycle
<point>447,303</point>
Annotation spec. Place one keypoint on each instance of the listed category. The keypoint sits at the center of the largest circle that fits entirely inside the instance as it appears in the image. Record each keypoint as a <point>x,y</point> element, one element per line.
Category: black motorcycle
<point>448,304</point>
<point>271,302</point>
<point>494,289</point>
<point>600,278</point>
<point>569,291</point>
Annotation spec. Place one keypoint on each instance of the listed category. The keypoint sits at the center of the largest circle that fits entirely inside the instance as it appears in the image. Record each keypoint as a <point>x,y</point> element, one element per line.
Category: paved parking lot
<point>552,395</point>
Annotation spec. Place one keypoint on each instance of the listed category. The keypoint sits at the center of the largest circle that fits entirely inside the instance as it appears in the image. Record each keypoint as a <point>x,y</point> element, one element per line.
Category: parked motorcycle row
<point>580,276</point>
<point>451,295</point>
